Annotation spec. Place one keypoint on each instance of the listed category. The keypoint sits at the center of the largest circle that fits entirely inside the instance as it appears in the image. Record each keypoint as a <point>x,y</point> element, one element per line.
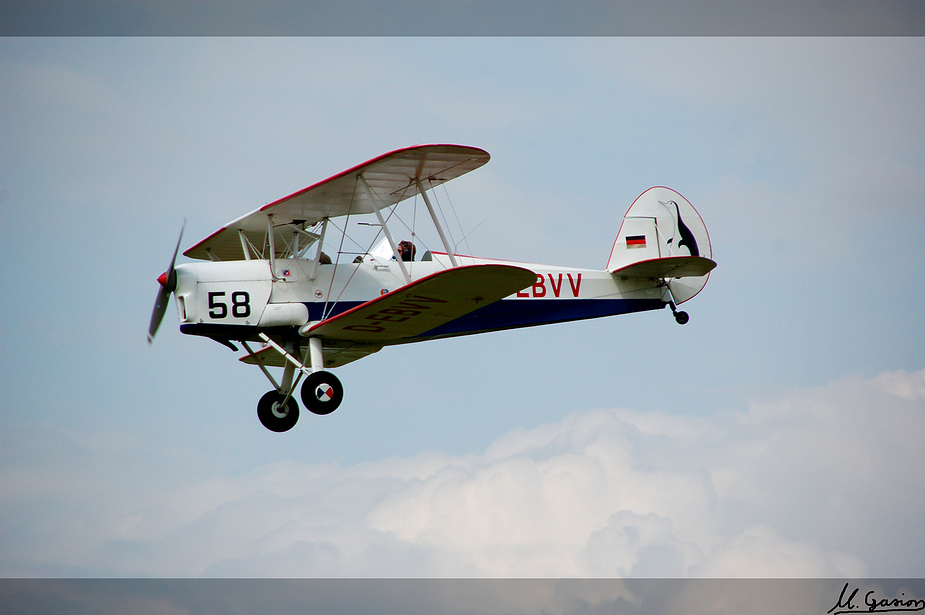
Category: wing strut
<point>433,215</point>
<point>244,248</point>
<point>324,228</point>
<point>385,228</point>
<point>272,243</point>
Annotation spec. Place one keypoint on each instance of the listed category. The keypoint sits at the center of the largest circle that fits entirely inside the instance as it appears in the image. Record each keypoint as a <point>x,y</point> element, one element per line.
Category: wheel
<point>322,393</point>
<point>274,415</point>
<point>682,318</point>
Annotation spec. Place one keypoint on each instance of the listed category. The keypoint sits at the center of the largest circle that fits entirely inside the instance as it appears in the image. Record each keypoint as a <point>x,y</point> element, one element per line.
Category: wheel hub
<point>324,392</point>
<point>279,411</point>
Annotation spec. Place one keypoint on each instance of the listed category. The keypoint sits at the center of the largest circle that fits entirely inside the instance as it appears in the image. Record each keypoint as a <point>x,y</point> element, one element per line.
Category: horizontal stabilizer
<point>668,267</point>
<point>424,304</point>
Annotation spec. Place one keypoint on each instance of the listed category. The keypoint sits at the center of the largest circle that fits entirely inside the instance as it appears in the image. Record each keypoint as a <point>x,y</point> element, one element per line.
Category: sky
<point>778,434</point>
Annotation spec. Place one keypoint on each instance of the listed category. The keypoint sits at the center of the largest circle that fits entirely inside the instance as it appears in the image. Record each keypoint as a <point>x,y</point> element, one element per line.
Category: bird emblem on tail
<point>687,237</point>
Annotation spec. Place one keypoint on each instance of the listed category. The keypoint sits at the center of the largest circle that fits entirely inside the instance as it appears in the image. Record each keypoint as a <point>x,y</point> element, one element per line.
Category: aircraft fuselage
<point>236,300</point>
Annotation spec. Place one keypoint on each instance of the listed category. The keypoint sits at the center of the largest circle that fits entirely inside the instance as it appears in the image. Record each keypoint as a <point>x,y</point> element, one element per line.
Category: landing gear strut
<point>680,317</point>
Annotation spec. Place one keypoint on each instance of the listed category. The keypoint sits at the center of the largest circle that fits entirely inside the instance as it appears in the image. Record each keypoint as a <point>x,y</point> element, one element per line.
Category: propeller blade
<point>168,282</point>
<point>160,306</point>
<point>174,259</point>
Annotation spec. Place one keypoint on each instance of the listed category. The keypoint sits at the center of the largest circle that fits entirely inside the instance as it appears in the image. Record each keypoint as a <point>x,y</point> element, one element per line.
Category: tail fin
<point>663,236</point>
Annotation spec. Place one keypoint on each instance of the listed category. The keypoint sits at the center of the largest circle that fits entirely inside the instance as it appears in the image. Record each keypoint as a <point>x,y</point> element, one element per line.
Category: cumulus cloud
<point>822,481</point>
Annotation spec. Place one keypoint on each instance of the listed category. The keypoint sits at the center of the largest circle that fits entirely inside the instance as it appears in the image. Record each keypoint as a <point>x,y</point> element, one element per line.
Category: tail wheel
<point>276,416</point>
<point>322,392</point>
<point>681,318</point>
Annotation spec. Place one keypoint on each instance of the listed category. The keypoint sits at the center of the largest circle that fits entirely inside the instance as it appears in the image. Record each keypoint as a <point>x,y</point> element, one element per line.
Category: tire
<point>275,418</point>
<point>682,318</point>
<point>322,393</point>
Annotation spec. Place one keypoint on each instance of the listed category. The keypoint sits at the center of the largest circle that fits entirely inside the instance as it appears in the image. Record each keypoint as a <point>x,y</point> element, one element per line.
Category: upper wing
<point>390,176</point>
<point>424,304</point>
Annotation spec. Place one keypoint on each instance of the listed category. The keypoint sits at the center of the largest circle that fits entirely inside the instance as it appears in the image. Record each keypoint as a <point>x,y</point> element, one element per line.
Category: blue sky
<point>777,434</point>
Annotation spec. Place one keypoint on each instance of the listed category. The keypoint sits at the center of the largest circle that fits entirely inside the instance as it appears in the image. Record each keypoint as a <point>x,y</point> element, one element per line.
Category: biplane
<point>264,282</point>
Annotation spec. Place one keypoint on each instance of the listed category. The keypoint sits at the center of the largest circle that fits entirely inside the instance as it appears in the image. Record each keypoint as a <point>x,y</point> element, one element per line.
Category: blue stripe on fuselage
<point>516,313</point>
<point>316,309</point>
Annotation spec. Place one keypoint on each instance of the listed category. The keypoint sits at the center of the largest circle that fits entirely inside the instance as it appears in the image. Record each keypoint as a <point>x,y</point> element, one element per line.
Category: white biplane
<point>267,285</point>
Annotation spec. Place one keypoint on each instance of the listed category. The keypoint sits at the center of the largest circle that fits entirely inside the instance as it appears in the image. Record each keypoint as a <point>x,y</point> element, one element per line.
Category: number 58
<point>240,305</point>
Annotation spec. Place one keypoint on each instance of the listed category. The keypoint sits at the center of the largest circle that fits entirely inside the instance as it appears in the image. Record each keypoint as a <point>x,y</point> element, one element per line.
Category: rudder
<point>662,224</point>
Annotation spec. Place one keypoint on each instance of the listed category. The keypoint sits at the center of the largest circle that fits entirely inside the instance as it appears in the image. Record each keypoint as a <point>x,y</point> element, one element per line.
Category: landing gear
<point>681,318</point>
<point>322,392</point>
<point>275,414</point>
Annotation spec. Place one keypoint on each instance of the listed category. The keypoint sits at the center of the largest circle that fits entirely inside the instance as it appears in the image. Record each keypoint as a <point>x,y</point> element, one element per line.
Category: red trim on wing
<point>353,169</point>
<point>363,306</point>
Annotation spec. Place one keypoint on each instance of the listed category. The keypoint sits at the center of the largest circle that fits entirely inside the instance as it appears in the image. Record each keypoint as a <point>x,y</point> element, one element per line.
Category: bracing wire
<point>446,225</point>
<point>330,303</point>
<point>412,229</point>
<point>340,249</point>
<point>375,239</point>
<point>344,233</point>
<point>458,223</point>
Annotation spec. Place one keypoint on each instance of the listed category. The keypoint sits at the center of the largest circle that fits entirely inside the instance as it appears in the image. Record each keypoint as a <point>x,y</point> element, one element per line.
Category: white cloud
<point>817,482</point>
<point>902,384</point>
<point>759,552</point>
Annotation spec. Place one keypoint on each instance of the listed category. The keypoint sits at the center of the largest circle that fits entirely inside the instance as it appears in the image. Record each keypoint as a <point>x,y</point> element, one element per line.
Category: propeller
<point>168,282</point>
